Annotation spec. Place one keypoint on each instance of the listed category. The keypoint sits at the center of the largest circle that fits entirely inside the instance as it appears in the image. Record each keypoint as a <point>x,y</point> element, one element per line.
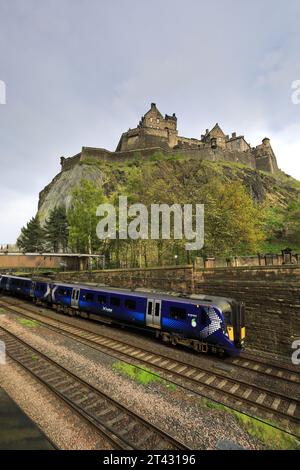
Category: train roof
<point>152,293</point>
<point>195,299</point>
<point>16,277</point>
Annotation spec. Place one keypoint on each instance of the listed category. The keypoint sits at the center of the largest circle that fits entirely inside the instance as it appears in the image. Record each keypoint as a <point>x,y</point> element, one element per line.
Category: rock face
<point>277,190</point>
<point>59,191</point>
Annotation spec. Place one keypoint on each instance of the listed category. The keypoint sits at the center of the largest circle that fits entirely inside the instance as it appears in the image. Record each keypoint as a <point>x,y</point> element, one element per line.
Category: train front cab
<point>236,325</point>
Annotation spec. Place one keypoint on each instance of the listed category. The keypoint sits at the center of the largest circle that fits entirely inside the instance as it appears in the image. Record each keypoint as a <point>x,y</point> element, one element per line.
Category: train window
<point>115,301</point>
<point>102,299</point>
<point>130,304</point>
<point>157,309</point>
<point>65,292</point>
<point>203,317</point>
<point>177,313</point>
<point>88,297</point>
<point>149,312</point>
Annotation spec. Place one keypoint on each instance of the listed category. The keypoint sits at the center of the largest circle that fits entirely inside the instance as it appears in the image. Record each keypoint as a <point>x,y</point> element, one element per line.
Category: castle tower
<point>265,157</point>
<point>153,131</point>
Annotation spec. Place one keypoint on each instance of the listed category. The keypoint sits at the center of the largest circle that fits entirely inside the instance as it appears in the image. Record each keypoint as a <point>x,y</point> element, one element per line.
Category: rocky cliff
<point>276,190</point>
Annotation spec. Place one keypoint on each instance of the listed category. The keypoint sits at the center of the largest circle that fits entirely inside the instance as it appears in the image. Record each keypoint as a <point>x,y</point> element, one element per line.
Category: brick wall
<point>176,278</point>
<point>17,262</point>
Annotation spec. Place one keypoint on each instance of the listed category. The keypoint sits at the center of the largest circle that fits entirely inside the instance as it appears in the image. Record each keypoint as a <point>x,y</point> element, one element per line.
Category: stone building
<point>156,132</point>
<point>153,130</point>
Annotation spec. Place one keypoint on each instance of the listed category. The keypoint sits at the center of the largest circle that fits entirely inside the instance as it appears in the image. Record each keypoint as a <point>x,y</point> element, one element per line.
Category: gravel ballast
<point>172,409</point>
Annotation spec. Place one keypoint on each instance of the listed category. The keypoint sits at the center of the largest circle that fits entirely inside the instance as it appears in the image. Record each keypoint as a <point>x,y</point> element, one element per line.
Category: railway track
<point>262,366</point>
<point>121,426</point>
<point>241,394</point>
<point>267,368</point>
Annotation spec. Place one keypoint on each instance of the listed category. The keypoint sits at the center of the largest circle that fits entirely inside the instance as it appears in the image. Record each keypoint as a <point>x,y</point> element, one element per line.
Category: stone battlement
<point>157,133</point>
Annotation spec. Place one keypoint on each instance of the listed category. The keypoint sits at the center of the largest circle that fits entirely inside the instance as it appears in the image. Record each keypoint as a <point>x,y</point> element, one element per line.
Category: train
<point>203,323</point>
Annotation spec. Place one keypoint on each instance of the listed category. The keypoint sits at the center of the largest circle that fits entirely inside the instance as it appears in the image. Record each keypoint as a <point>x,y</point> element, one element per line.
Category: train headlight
<point>230,332</point>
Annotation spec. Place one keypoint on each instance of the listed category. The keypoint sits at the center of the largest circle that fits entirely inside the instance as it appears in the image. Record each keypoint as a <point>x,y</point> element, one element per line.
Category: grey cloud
<point>79,72</point>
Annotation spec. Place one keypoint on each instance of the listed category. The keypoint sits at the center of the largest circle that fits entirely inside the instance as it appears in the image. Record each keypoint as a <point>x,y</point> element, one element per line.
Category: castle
<point>157,133</point>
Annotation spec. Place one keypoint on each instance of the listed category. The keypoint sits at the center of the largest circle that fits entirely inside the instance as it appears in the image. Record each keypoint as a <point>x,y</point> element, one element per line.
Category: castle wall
<point>68,163</point>
<point>90,154</point>
<point>145,138</point>
<point>189,141</point>
<point>202,153</point>
<point>214,155</point>
<point>265,163</point>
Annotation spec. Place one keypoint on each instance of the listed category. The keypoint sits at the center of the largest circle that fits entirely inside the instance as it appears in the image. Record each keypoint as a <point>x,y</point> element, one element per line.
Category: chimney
<point>153,105</point>
<point>233,135</point>
<point>266,141</point>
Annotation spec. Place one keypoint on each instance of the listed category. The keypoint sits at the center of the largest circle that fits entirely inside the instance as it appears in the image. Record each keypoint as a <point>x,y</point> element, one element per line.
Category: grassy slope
<point>267,190</point>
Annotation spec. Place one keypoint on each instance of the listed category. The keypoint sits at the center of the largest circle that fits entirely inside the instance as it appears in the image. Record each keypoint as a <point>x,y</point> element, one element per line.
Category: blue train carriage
<point>16,285</point>
<point>199,322</point>
<point>41,292</point>
<point>5,283</point>
<point>96,303</point>
<point>37,290</point>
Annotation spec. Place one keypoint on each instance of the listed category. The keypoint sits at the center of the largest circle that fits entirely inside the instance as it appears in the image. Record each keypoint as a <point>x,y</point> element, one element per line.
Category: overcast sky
<point>80,72</point>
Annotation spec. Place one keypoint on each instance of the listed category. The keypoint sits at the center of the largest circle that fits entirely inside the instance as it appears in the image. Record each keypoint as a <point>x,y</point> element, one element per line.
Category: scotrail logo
<point>2,353</point>
<point>2,92</point>
<point>135,222</point>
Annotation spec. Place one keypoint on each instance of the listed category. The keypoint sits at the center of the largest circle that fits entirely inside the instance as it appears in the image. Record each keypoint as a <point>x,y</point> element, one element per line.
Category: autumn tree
<point>82,218</point>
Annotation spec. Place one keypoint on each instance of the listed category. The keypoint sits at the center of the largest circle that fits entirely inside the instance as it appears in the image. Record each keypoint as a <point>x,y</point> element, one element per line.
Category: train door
<point>153,317</point>
<point>32,288</point>
<point>75,298</point>
<point>8,283</point>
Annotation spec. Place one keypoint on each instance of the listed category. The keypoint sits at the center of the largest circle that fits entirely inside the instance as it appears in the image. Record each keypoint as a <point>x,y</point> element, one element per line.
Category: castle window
<point>151,119</point>
<point>157,120</point>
